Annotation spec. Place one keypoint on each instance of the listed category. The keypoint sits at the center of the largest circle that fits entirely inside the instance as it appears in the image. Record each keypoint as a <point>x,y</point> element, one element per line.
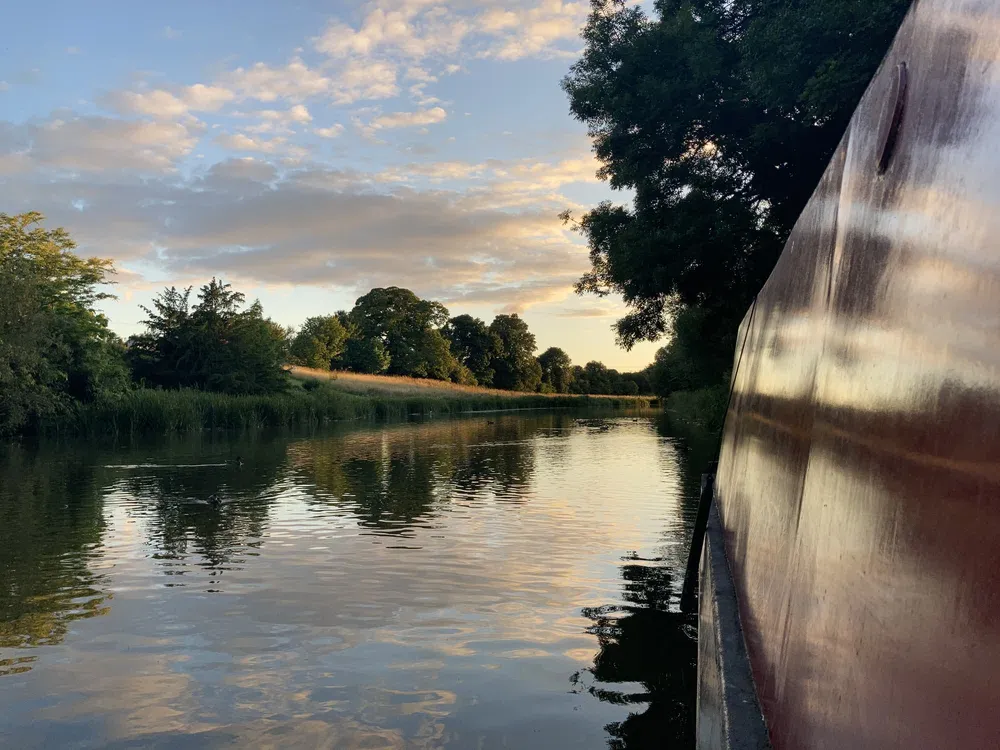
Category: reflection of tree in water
<point>50,518</point>
<point>498,458</point>
<point>184,520</point>
<point>394,478</point>
<point>646,643</point>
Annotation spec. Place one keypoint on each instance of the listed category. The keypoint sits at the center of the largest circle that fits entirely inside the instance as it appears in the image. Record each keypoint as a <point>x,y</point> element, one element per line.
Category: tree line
<point>57,350</point>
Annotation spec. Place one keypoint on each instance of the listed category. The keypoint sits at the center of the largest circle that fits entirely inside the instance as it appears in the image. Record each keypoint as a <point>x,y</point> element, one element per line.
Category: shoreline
<point>150,412</point>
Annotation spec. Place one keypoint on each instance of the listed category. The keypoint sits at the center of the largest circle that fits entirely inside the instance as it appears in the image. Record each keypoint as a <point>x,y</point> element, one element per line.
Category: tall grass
<point>146,411</point>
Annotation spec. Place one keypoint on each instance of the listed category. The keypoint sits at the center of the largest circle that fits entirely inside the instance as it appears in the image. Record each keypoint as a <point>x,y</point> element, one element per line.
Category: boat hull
<point>859,476</point>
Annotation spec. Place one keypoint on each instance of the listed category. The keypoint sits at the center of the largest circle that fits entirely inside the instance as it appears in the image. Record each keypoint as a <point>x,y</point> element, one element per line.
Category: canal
<point>493,581</point>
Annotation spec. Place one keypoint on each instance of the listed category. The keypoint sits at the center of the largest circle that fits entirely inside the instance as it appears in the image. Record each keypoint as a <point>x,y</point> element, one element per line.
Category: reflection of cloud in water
<point>326,628</point>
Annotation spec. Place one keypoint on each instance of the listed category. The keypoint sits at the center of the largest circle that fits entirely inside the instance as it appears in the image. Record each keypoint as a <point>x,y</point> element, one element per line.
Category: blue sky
<point>309,151</point>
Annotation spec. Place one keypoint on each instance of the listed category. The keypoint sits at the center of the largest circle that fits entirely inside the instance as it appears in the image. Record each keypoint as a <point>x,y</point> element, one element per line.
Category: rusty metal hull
<point>859,478</point>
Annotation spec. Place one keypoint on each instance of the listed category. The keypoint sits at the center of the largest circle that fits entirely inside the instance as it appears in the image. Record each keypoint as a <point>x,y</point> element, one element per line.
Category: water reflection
<point>50,529</point>
<point>409,585</point>
<point>393,481</point>
<point>648,643</point>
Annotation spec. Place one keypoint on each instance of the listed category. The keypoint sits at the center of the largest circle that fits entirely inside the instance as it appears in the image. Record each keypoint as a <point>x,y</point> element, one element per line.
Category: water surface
<point>490,582</point>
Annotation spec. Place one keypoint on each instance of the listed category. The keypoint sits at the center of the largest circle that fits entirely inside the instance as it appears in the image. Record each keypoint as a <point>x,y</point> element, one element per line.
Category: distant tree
<point>158,355</point>
<point>599,379</point>
<point>719,118</point>
<point>55,348</point>
<point>432,357</point>
<point>403,323</point>
<point>320,341</point>
<point>365,355</point>
<point>516,366</point>
<point>473,345</point>
<point>213,345</point>
<point>556,369</point>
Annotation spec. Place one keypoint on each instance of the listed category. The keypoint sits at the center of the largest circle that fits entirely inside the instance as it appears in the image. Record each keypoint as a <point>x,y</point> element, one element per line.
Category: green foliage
<point>694,355</point>
<point>365,355</point>
<point>515,364</point>
<point>405,324</point>
<point>721,118</point>
<point>320,341</point>
<point>597,378</point>
<point>55,348</point>
<point>557,370</point>
<point>474,346</point>
<point>214,345</point>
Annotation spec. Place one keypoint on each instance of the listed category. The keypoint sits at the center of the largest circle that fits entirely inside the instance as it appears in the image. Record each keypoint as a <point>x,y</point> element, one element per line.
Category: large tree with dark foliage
<point>516,366</point>
<point>556,369</point>
<point>409,329</point>
<point>214,345</point>
<point>474,345</point>
<point>721,117</point>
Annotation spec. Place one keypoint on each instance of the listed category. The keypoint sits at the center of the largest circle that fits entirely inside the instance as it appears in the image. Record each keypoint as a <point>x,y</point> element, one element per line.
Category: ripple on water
<point>469,583</point>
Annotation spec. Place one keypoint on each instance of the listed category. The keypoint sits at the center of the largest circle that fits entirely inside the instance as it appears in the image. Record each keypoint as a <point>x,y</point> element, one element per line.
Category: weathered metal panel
<point>859,479</point>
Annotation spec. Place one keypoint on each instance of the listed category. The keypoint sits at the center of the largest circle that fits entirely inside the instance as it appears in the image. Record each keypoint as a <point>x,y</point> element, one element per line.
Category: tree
<point>556,369</point>
<point>407,327</point>
<point>320,341</point>
<point>213,345</point>
<point>690,360</point>
<point>721,118</point>
<point>516,366</point>
<point>473,345</point>
<point>158,355</point>
<point>365,355</point>
<point>55,347</point>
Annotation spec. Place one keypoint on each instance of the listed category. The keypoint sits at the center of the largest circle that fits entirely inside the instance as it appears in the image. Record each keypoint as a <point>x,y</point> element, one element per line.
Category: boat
<point>850,576</point>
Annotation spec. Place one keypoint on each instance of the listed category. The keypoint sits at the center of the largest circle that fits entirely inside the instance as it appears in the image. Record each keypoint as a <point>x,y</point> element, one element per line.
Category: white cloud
<point>204,98</point>
<point>276,121</point>
<point>333,131</point>
<point>410,119</point>
<point>410,31</point>
<point>360,80</point>
<point>497,184</point>
<point>164,104</point>
<point>405,30</point>
<point>315,226</point>
<point>243,142</point>
<point>295,81</point>
<point>299,113</point>
<point>435,171</point>
<point>156,103</point>
<point>538,31</point>
<point>169,33</point>
<point>97,143</point>
<point>72,50</point>
<point>416,73</point>
<point>4,86</point>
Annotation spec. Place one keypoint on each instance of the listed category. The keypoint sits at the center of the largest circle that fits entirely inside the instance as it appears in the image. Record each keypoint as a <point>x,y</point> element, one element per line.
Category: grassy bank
<point>143,411</point>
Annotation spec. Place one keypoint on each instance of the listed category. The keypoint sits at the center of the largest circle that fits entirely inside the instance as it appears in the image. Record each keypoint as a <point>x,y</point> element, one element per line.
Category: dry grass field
<point>397,385</point>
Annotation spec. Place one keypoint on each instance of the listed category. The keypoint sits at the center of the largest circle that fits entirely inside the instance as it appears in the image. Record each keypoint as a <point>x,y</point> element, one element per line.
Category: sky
<point>309,151</point>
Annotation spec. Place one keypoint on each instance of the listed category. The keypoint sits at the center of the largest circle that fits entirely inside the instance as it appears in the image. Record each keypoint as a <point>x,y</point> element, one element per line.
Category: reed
<point>147,411</point>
